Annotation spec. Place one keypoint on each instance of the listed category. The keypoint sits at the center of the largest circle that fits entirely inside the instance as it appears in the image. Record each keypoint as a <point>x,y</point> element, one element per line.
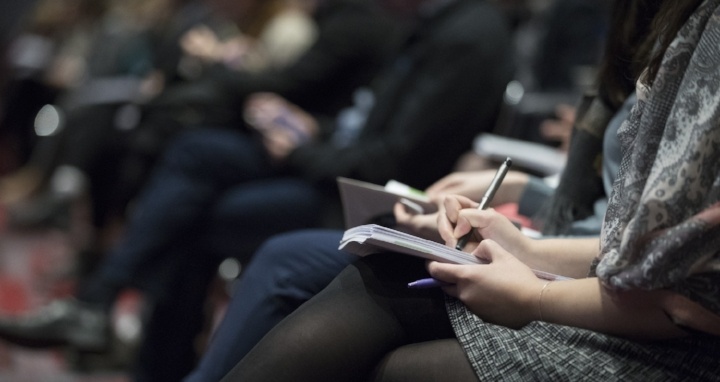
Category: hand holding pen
<point>487,198</point>
<point>484,202</point>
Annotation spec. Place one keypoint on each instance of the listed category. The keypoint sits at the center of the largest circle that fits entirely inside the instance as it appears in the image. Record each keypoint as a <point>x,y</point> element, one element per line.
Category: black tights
<point>365,326</point>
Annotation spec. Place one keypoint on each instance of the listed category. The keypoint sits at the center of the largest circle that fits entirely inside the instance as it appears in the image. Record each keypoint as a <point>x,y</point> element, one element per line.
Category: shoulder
<point>473,20</point>
<point>355,23</point>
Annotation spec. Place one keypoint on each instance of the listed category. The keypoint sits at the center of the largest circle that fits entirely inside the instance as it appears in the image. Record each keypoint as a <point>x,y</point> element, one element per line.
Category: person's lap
<point>234,227</point>
<point>285,272</point>
<point>367,305</point>
<point>248,214</point>
<point>212,200</point>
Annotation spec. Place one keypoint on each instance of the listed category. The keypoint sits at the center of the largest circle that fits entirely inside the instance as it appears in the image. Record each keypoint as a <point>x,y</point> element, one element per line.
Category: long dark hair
<point>666,25</point>
<point>640,32</point>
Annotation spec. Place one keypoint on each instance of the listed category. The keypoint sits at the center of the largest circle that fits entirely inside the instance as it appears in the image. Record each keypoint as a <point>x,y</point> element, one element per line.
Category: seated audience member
<point>646,309</point>
<point>274,284</point>
<point>238,188</point>
<point>271,35</point>
<point>108,120</point>
<point>11,22</point>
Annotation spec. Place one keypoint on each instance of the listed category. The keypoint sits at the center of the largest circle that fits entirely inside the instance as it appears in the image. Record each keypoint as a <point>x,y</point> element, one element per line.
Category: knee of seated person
<point>282,259</point>
<point>187,148</point>
<point>274,268</point>
<point>192,140</point>
<point>277,251</point>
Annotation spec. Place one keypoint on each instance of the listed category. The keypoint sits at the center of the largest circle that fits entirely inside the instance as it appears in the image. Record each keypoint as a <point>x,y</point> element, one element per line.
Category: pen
<point>489,194</point>
<point>434,283</point>
<point>426,283</point>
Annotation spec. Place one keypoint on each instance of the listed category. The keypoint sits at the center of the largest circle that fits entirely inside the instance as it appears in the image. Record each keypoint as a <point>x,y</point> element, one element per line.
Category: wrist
<point>544,291</point>
<point>532,304</point>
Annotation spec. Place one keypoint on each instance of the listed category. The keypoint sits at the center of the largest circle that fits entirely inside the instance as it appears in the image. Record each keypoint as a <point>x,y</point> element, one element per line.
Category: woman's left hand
<point>504,291</point>
<point>423,225</point>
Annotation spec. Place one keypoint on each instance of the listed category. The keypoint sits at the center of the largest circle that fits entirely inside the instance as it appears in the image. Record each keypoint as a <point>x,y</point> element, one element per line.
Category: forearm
<point>585,303</point>
<point>562,256</point>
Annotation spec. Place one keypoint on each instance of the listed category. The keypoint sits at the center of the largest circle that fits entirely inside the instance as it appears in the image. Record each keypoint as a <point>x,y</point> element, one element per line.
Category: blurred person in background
<point>12,16</point>
<point>231,184</point>
<point>647,309</point>
<point>93,125</point>
<point>275,283</point>
<point>37,68</point>
<point>353,41</point>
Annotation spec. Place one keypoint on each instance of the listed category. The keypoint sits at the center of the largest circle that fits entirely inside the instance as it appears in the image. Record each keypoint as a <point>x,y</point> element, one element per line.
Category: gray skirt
<point>549,352</point>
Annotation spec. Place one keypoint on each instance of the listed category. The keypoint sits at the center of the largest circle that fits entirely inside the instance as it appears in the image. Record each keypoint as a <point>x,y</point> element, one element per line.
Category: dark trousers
<point>285,272</point>
<point>214,195</point>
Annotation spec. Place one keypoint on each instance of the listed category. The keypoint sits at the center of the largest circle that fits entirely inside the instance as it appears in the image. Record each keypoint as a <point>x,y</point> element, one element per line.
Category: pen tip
<point>508,161</point>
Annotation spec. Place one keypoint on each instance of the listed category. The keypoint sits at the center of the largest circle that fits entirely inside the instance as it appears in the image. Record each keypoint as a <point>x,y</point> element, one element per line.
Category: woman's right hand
<point>459,215</point>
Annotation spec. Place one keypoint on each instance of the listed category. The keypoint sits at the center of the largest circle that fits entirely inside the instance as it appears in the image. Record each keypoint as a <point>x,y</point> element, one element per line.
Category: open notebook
<point>370,239</point>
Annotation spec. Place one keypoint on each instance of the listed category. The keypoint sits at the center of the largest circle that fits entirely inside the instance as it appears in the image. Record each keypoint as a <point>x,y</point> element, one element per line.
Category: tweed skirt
<point>549,352</point>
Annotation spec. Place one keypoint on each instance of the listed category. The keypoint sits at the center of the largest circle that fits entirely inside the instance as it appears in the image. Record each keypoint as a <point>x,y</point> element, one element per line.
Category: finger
<point>401,214</point>
<point>449,273</point>
<point>446,223</point>
<point>447,216</point>
<point>472,218</point>
<point>258,99</point>
<point>492,252</point>
<point>485,251</point>
<point>454,204</point>
<point>565,112</point>
<point>445,228</point>
<point>466,222</point>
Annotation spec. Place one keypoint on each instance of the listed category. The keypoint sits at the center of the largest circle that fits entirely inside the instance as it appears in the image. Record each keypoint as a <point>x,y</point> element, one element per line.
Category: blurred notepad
<point>371,238</point>
<point>364,202</point>
<point>533,156</point>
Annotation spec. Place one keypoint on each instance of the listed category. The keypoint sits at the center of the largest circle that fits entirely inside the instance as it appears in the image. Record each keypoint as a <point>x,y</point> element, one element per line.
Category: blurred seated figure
<point>558,46</point>
<point>41,59</point>
<point>239,186</point>
<point>640,302</point>
<point>270,35</point>
<point>108,146</point>
<point>94,65</point>
<point>559,49</point>
<point>11,22</point>
<point>274,284</point>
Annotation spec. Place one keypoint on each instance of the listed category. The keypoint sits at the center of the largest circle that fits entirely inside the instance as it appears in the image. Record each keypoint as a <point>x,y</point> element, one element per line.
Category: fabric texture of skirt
<point>547,352</point>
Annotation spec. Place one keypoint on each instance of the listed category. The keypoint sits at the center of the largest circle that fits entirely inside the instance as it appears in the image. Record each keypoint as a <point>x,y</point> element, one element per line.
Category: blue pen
<point>427,283</point>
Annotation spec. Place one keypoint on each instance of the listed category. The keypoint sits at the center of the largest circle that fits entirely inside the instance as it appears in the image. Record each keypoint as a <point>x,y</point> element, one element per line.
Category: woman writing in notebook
<point>644,304</point>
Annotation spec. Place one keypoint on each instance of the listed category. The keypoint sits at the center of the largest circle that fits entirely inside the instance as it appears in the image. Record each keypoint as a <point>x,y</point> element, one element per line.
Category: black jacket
<point>355,39</point>
<point>443,88</point>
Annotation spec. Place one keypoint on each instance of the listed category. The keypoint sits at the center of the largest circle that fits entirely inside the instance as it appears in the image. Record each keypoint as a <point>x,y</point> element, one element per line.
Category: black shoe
<point>62,323</point>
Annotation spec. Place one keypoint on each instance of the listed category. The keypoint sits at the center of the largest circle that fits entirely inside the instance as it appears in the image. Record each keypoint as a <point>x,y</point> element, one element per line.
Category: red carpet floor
<point>36,267</point>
